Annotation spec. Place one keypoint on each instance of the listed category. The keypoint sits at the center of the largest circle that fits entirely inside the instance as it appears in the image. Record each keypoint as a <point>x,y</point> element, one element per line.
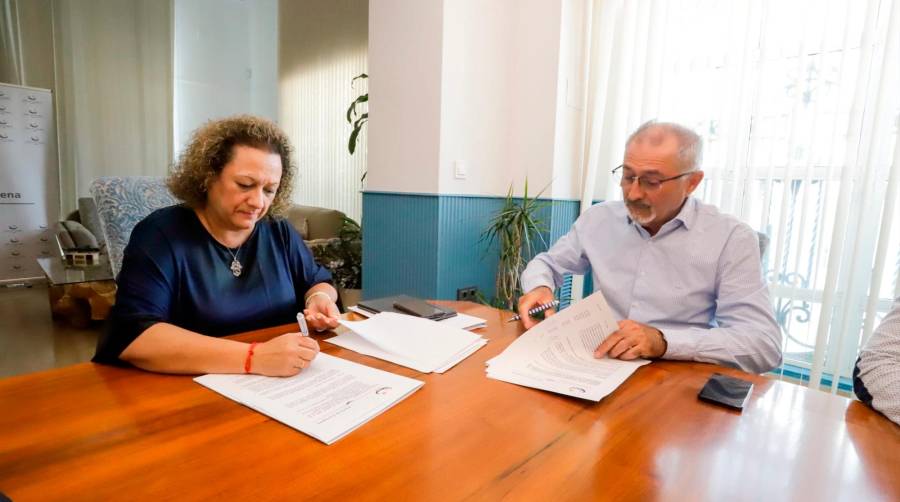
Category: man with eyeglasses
<point>686,279</point>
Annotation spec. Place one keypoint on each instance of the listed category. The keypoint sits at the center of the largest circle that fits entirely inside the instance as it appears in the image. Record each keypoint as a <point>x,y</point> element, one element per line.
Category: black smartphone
<point>419,308</point>
<point>727,391</point>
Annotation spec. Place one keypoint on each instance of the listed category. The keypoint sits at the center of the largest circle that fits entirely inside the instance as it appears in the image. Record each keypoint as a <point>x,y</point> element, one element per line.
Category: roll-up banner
<point>29,182</point>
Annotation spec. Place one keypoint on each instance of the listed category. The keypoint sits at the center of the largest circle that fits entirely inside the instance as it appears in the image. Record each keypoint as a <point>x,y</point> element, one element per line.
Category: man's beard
<point>641,213</point>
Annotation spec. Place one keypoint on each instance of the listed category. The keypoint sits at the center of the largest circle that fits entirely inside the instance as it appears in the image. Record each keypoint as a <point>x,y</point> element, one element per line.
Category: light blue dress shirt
<point>698,280</point>
<point>879,366</point>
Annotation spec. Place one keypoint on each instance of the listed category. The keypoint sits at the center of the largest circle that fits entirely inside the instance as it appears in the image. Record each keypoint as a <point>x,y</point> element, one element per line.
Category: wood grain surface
<point>95,432</point>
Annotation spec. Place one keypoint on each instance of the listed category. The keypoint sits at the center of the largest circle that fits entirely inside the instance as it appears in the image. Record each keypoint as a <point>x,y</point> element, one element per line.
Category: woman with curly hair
<point>222,262</point>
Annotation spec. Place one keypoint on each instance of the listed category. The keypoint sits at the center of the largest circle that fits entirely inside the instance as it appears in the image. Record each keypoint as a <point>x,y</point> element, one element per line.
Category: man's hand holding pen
<point>631,341</point>
<point>538,296</point>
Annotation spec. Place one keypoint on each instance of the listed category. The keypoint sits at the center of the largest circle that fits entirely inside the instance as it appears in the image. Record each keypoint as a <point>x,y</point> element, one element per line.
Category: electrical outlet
<point>467,294</point>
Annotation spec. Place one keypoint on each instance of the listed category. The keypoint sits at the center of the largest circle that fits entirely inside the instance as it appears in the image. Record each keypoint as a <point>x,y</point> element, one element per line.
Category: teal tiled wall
<point>429,245</point>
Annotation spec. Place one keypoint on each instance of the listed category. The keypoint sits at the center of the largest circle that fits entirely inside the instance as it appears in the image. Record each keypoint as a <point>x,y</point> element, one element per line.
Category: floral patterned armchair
<point>121,203</point>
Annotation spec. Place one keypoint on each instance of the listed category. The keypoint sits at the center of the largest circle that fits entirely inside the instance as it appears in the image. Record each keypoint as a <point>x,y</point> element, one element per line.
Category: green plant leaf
<point>351,145</point>
<point>351,111</point>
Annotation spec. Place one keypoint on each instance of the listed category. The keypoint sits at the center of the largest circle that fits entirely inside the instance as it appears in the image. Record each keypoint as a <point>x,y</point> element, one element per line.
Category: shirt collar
<point>687,216</point>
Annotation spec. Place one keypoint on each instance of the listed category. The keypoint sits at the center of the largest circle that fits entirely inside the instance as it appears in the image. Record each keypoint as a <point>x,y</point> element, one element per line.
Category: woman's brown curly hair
<point>212,146</point>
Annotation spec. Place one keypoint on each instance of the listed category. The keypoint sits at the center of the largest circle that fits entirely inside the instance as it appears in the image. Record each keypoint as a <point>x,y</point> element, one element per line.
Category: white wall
<point>477,105</point>
<point>501,99</point>
<point>405,56</point>
<point>535,90</point>
<point>224,62</point>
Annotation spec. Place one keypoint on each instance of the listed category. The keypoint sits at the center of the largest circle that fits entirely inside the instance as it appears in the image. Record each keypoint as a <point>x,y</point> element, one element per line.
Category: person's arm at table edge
<point>166,348</point>
<point>748,337</point>
<point>879,365</point>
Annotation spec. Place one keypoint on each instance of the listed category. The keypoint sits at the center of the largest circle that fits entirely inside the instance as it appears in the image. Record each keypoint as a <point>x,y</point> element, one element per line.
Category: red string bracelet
<point>249,357</point>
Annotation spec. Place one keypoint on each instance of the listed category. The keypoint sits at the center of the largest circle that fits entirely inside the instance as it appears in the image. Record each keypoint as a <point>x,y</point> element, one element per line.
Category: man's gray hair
<point>690,144</point>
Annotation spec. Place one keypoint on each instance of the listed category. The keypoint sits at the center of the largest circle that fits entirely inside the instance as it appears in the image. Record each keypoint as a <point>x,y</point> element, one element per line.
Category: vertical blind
<point>798,103</point>
<point>323,46</point>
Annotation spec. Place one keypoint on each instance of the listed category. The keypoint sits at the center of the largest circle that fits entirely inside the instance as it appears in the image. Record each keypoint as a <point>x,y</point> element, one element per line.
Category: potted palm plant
<point>517,230</point>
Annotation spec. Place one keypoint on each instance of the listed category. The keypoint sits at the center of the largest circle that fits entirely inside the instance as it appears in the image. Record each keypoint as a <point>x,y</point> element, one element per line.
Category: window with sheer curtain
<point>798,103</point>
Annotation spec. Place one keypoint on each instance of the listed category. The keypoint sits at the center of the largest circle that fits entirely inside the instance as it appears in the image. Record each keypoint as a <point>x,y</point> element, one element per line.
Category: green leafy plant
<point>518,230</point>
<point>357,118</point>
<point>343,255</point>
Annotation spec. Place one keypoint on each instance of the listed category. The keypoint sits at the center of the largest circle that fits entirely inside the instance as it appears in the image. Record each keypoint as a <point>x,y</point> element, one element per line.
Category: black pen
<point>540,308</point>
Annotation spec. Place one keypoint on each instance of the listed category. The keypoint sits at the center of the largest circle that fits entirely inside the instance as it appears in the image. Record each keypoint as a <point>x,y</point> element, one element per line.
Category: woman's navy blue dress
<point>173,271</point>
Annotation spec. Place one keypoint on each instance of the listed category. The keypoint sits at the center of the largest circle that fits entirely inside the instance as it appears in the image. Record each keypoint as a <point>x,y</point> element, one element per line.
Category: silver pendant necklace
<point>236,267</point>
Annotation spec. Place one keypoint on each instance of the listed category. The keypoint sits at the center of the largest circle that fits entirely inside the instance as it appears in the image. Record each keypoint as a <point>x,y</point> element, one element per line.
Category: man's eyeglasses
<point>647,183</point>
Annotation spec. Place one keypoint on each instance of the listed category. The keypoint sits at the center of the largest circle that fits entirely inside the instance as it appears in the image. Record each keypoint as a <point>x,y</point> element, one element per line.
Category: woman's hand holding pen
<point>537,296</point>
<point>284,355</point>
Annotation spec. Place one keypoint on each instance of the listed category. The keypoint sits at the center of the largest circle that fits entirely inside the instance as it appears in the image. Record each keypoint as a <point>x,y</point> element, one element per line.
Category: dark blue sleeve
<point>307,272</point>
<point>144,295</point>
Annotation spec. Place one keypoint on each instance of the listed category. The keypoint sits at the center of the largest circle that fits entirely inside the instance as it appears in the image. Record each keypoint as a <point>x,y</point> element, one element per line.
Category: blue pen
<point>301,320</point>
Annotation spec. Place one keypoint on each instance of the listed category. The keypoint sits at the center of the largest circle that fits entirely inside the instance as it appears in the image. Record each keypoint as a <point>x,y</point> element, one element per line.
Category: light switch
<point>459,170</point>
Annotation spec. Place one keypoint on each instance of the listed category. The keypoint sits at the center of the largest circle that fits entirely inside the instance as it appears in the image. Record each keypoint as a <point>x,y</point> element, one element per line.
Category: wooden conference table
<point>101,433</point>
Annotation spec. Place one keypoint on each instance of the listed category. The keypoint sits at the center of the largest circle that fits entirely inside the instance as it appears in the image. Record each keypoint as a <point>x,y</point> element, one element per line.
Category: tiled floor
<point>30,340</point>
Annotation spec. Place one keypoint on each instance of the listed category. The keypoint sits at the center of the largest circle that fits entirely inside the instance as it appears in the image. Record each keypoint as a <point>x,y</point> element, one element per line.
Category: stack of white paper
<point>460,320</point>
<point>410,341</point>
<point>558,354</point>
<point>327,400</point>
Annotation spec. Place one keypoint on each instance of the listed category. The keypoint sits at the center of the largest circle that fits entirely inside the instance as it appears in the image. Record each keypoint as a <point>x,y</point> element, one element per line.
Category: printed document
<point>327,400</point>
<point>557,354</point>
<point>421,344</point>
